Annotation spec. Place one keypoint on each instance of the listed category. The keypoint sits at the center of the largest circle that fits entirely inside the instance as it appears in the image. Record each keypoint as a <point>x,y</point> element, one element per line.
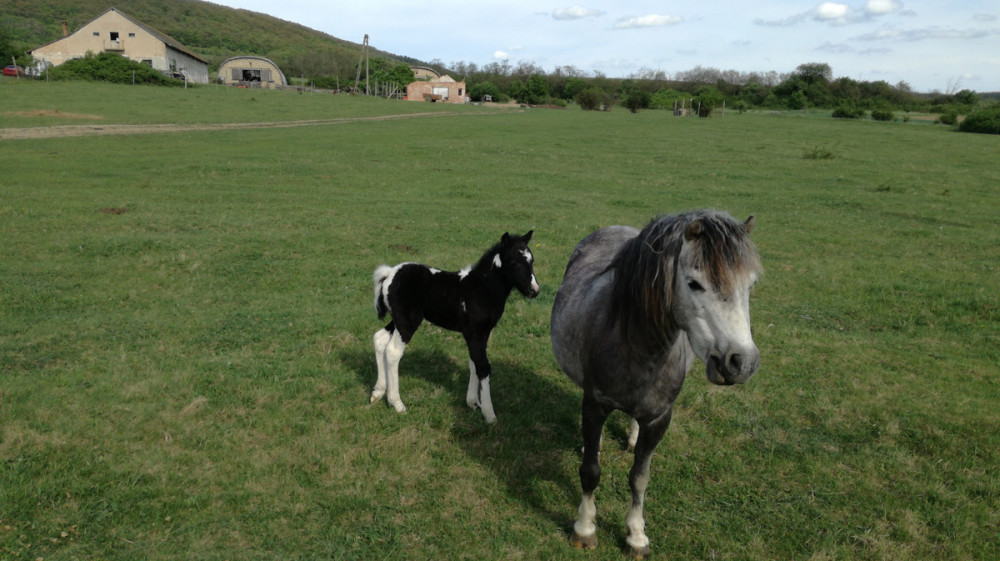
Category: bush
<point>949,118</point>
<point>594,99</point>
<point>638,99</point>
<point>477,92</point>
<point>882,115</point>
<point>109,67</point>
<point>848,111</point>
<point>986,121</point>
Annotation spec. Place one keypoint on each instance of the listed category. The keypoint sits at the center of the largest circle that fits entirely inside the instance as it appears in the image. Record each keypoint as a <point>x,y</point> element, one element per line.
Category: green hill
<point>210,30</point>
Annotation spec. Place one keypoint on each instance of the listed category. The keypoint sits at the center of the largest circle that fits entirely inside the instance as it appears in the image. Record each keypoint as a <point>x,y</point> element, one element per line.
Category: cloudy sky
<point>934,45</point>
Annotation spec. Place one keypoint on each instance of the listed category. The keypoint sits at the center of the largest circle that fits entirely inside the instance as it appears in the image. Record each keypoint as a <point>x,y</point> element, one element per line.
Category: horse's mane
<point>644,269</point>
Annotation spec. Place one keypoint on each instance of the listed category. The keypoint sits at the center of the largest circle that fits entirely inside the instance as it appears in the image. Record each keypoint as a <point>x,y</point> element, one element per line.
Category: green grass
<point>187,377</point>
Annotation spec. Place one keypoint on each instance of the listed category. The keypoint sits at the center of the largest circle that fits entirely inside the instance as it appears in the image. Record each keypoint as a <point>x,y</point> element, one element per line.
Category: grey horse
<point>634,309</point>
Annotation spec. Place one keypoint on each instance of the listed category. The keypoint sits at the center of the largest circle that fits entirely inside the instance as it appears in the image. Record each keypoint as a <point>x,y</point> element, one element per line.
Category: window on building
<point>131,34</point>
<point>97,34</point>
<point>114,35</point>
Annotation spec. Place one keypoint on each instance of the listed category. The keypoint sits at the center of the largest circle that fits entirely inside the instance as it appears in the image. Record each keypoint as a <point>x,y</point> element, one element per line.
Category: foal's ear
<point>750,223</point>
<point>505,239</point>
<point>693,230</point>
<point>527,237</point>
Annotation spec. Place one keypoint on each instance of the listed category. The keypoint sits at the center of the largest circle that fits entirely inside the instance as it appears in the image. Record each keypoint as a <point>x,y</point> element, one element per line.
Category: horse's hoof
<point>639,553</point>
<point>399,407</point>
<point>583,542</point>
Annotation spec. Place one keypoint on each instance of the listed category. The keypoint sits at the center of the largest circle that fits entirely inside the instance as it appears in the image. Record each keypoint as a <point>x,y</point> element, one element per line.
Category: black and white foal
<point>470,301</point>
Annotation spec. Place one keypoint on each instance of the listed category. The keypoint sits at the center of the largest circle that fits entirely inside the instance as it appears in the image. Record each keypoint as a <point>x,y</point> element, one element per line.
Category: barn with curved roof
<point>251,72</point>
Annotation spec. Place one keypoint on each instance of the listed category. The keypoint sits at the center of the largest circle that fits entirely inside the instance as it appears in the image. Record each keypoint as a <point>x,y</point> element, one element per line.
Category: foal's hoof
<point>583,542</point>
<point>639,553</point>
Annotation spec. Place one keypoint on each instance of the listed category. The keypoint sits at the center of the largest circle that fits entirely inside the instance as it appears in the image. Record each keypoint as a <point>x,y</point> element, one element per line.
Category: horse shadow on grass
<point>534,447</point>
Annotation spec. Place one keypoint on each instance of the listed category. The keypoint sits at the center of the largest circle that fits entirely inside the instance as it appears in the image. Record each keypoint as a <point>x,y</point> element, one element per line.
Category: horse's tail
<point>381,273</point>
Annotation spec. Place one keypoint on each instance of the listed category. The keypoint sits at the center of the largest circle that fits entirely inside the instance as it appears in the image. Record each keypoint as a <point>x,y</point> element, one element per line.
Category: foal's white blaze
<point>527,256</point>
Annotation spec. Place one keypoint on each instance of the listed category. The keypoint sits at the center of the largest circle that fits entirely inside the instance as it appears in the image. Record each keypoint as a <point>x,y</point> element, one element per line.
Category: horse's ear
<point>527,237</point>
<point>505,239</point>
<point>750,223</point>
<point>693,230</point>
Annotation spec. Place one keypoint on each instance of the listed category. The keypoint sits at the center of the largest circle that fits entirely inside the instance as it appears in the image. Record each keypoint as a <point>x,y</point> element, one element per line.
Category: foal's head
<point>715,270</point>
<point>516,263</point>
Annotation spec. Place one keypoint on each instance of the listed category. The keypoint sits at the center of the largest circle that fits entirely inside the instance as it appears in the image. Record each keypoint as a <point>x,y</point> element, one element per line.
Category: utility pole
<point>364,59</point>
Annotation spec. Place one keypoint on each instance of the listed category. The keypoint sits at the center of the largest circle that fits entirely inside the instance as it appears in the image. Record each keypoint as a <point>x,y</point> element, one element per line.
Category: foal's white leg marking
<point>472,395</point>
<point>584,525</point>
<point>637,538</point>
<point>393,353</point>
<point>485,401</point>
<point>381,340</point>
<point>633,436</point>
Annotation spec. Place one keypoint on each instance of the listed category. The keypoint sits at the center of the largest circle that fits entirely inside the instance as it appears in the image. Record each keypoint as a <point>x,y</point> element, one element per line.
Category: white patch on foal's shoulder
<point>465,272</point>
<point>433,270</point>
<point>496,261</point>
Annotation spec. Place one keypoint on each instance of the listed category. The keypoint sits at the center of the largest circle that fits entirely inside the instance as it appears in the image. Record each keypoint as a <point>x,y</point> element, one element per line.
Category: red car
<point>11,70</point>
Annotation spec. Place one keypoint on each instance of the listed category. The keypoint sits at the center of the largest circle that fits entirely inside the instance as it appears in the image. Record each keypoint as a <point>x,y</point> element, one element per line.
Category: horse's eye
<point>695,286</point>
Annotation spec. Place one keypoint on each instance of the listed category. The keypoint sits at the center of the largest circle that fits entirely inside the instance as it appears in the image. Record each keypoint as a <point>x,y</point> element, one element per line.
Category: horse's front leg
<point>479,375</point>
<point>585,529</point>
<point>649,435</point>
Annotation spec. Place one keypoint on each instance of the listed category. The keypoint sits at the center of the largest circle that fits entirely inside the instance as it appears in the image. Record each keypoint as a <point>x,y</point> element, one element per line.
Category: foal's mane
<point>644,268</point>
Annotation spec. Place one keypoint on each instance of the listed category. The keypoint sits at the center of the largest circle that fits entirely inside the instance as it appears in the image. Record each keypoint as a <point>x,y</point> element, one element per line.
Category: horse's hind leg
<point>393,353</point>
<point>585,529</point>
<point>633,435</point>
<point>638,479</point>
<point>381,341</point>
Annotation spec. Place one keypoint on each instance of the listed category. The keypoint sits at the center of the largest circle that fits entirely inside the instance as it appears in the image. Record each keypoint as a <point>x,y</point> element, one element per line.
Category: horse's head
<point>715,270</point>
<point>516,263</point>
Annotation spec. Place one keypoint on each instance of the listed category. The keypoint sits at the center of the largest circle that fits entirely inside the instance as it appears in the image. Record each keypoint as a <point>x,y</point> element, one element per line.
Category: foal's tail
<point>381,273</point>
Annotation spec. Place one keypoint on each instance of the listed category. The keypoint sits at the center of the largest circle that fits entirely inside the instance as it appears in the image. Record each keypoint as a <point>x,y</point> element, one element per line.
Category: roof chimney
<point>65,30</point>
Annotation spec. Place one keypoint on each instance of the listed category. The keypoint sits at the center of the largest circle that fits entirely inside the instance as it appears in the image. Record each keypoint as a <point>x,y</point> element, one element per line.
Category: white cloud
<point>880,7</point>
<point>927,33</point>
<point>575,12</point>
<point>836,13</point>
<point>984,17</point>
<point>651,20</point>
<point>500,55</point>
<point>831,11</point>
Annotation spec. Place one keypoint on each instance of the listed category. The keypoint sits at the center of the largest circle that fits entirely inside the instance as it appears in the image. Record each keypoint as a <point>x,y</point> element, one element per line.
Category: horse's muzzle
<point>735,368</point>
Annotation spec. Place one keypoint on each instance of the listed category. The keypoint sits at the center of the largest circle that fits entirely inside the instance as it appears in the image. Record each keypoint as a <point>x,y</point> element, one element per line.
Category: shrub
<point>477,92</point>
<point>848,111</point>
<point>949,118</point>
<point>882,115</point>
<point>109,67</point>
<point>638,99</point>
<point>986,121</point>
<point>594,99</point>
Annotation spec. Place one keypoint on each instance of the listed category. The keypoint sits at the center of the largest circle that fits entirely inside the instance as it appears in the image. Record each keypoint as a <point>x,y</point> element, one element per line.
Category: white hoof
<point>376,395</point>
<point>399,407</point>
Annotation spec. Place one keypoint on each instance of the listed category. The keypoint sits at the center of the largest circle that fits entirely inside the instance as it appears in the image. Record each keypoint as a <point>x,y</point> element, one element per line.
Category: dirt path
<point>98,130</point>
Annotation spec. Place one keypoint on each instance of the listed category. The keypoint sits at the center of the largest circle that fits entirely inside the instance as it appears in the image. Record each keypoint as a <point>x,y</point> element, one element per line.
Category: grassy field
<point>186,321</point>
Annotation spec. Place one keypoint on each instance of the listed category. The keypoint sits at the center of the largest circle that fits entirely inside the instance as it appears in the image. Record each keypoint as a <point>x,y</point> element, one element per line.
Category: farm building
<point>115,32</point>
<point>444,89</point>
<point>251,72</point>
<point>424,73</point>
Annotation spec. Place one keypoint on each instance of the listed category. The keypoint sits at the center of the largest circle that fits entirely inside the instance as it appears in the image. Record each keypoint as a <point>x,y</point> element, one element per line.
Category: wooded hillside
<point>210,30</point>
